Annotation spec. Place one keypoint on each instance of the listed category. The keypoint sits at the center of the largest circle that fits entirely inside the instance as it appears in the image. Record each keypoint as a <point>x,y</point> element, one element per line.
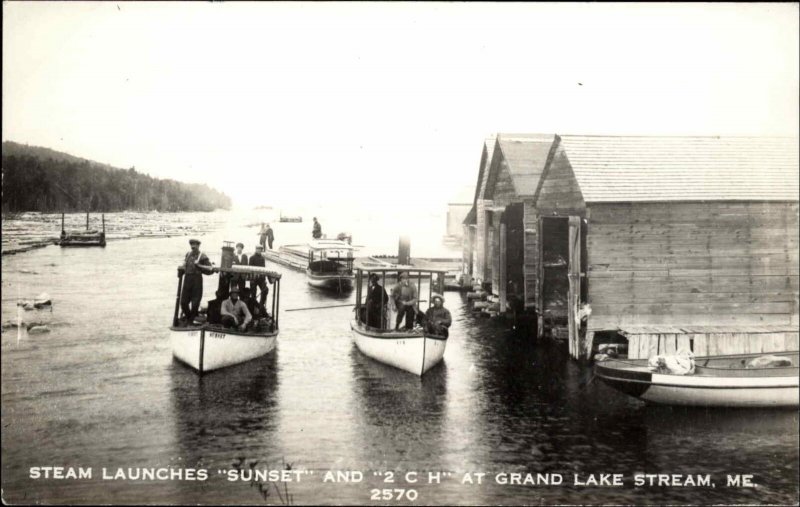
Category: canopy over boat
<point>249,272</point>
<point>330,248</point>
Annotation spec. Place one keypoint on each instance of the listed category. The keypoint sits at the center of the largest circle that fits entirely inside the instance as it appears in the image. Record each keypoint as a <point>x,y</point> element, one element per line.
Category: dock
<point>296,257</point>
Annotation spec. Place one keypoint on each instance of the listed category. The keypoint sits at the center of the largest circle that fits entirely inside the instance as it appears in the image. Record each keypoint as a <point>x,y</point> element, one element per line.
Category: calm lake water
<point>101,390</point>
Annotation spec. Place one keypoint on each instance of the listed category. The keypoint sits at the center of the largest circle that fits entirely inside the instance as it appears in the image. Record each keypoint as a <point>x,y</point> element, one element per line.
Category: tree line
<point>45,182</point>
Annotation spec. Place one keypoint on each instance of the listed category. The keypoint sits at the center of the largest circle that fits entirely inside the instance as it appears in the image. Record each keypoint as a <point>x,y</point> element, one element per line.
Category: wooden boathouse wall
<point>660,265</point>
<point>677,242</point>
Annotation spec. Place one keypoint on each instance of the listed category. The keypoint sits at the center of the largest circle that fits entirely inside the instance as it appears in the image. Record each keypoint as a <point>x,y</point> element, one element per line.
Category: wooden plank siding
<point>558,192</point>
<point>689,263</point>
<point>646,345</point>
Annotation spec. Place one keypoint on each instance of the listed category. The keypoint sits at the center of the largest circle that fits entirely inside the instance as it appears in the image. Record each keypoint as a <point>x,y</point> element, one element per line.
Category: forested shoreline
<point>41,179</point>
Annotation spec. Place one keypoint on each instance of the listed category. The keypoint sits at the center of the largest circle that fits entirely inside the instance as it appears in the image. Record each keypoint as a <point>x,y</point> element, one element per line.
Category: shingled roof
<point>619,169</point>
<point>526,155</point>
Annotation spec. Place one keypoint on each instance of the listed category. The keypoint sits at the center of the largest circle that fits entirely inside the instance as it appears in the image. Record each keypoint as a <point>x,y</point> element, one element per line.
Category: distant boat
<point>330,265</point>
<point>263,207</point>
<point>290,218</point>
<point>89,237</point>
<point>718,381</point>
<point>211,346</point>
<point>415,350</point>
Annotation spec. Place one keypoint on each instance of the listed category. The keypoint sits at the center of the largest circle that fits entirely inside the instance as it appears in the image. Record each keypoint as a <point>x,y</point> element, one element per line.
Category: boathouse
<point>500,247</point>
<point>667,242</point>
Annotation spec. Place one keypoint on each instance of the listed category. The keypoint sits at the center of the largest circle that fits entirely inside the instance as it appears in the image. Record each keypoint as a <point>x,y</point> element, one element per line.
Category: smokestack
<point>404,251</point>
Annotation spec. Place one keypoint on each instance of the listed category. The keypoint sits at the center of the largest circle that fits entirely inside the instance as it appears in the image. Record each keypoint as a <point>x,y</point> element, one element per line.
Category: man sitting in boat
<point>257,310</point>
<point>234,312</point>
<point>257,259</point>
<point>437,318</point>
<point>404,295</point>
<point>377,299</point>
<point>213,314</point>
<point>195,265</point>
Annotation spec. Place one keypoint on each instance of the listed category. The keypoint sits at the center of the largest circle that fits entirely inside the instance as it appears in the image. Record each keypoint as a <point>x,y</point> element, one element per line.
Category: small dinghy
<point>413,350</point>
<point>749,380</point>
<point>211,346</point>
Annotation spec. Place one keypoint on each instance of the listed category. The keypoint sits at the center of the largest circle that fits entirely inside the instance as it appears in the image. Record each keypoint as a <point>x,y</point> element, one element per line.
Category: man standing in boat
<point>404,295</point>
<point>195,265</point>
<point>316,232</point>
<point>239,259</point>
<point>257,259</point>
<point>377,299</point>
<point>437,318</point>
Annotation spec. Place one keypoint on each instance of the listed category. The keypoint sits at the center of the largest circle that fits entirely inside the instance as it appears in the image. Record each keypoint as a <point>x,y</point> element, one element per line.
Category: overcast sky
<point>307,103</point>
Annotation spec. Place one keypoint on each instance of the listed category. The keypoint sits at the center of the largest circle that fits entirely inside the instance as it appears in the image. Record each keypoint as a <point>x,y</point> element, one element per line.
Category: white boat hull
<point>413,352</point>
<point>766,392</point>
<point>712,386</point>
<point>207,349</point>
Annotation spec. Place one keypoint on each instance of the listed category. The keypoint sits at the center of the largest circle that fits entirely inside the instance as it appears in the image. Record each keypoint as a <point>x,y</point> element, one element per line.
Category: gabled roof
<point>619,169</point>
<point>486,161</point>
<point>526,156</point>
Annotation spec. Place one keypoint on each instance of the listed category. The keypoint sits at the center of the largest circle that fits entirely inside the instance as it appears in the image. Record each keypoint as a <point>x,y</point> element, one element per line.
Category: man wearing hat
<point>377,299</point>
<point>195,265</point>
<point>437,318</point>
<point>404,295</point>
<point>234,312</point>
<point>257,259</point>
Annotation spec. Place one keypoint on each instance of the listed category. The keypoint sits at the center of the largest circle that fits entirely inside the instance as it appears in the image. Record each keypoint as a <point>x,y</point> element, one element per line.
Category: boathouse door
<point>574,295</point>
<point>562,262</point>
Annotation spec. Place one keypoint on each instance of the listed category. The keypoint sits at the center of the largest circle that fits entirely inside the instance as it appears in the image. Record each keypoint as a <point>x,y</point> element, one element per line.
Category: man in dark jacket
<point>270,237</point>
<point>239,259</point>
<point>316,231</point>
<point>195,265</point>
<point>377,299</point>
<point>437,318</point>
<point>257,259</point>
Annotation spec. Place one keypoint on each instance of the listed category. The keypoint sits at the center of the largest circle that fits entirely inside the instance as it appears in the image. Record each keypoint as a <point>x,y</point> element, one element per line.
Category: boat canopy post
<point>384,303</point>
<point>178,298</point>
<point>104,223</point>
<point>274,295</point>
<point>62,224</point>
<point>278,304</point>
<point>430,289</point>
<point>87,220</point>
<point>358,294</point>
<point>419,288</point>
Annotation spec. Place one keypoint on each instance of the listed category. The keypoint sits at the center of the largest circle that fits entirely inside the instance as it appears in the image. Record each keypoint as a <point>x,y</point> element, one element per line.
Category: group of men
<point>238,308</point>
<point>234,312</point>
<point>436,320</point>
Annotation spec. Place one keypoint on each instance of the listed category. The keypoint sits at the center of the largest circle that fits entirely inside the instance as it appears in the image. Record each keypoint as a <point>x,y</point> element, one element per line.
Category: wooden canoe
<point>718,381</point>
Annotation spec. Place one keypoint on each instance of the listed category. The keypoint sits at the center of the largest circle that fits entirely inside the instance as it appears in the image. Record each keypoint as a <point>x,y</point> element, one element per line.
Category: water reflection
<point>215,410</point>
<point>400,415</point>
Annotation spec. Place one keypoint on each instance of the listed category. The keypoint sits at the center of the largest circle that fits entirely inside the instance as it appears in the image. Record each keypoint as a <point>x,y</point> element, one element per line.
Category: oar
<point>318,307</point>
<point>333,306</point>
